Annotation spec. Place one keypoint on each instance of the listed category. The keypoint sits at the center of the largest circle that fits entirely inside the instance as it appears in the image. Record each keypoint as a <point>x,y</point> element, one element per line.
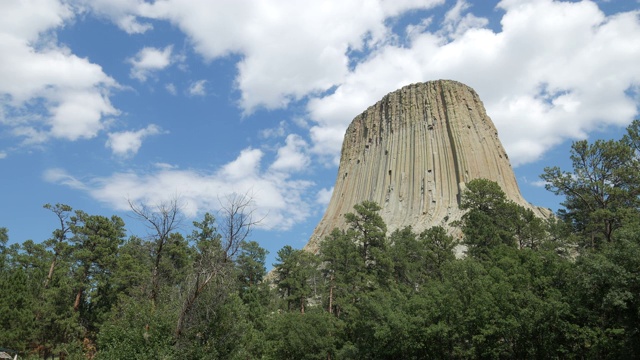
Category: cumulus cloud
<point>278,199</point>
<point>289,48</point>
<point>457,20</point>
<point>323,197</point>
<point>274,132</point>
<point>149,60</point>
<point>556,70</point>
<point>45,90</point>
<point>122,12</point>
<point>292,156</point>
<point>127,143</point>
<point>197,88</point>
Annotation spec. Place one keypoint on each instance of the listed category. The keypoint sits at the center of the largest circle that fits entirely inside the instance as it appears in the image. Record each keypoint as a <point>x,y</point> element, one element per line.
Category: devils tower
<point>412,153</point>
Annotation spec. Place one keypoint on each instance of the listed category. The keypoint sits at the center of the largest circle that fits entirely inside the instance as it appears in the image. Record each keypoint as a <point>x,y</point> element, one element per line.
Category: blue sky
<point>105,101</point>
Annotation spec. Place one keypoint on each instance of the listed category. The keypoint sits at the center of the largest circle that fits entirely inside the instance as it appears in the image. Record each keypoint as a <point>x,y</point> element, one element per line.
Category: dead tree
<point>161,220</point>
<point>237,222</point>
<point>217,248</point>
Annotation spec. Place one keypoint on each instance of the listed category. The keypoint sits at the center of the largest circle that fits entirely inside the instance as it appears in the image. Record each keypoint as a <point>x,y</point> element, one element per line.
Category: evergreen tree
<point>601,192</point>
<point>438,247</point>
<point>251,265</point>
<point>17,299</point>
<point>368,231</point>
<point>492,220</point>
<point>343,270</point>
<point>297,277</point>
<point>94,248</point>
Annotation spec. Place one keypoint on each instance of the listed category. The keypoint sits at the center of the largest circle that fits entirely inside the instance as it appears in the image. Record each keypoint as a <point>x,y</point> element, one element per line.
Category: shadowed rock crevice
<point>412,153</point>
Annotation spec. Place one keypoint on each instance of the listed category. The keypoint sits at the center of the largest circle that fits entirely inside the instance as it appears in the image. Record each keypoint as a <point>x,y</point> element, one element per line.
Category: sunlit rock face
<point>412,153</point>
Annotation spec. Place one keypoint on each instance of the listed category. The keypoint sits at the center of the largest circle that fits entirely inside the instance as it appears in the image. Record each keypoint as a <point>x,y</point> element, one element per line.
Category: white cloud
<point>130,24</point>
<point>323,197</point>
<point>457,22</point>
<point>3,155</point>
<point>556,70</point>
<point>277,198</point>
<point>127,143</point>
<point>197,88</point>
<point>122,12</point>
<point>171,89</point>
<point>292,156</point>
<point>78,114</point>
<point>164,166</point>
<point>246,165</point>
<point>149,60</point>
<point>289,48</point>
<point>60,176</point>
<point>47,90</point>
<point>275,132</point>
<point>27,20</point>
<point>539,183</point>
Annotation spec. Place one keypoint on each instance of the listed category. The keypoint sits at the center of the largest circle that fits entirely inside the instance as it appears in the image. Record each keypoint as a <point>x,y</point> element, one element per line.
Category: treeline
<point>566,287</point>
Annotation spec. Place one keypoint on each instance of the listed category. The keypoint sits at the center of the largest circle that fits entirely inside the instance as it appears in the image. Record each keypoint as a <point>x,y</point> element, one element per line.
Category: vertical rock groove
<point>450,132</point>
<point>412,153</point>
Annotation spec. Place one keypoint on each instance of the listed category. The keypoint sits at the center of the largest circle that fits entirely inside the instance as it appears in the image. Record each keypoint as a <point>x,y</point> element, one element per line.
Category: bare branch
<point>237,221</point>
<point>161,220</point>
<point>217,250</point>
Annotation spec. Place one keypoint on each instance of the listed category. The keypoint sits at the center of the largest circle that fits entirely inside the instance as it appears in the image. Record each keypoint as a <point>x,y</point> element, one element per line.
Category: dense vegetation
<point>566,287</point>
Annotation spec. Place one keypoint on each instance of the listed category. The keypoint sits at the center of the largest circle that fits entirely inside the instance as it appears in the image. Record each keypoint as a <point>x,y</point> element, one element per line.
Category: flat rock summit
<point>412,153</point>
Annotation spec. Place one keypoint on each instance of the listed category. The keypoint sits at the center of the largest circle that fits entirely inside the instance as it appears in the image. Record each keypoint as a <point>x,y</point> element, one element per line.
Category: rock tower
<point>412,153</point>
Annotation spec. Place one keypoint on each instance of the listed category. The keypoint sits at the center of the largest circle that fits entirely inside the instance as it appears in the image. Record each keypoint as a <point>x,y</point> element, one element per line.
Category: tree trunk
<point>76,304</point>
<point>51,268</point>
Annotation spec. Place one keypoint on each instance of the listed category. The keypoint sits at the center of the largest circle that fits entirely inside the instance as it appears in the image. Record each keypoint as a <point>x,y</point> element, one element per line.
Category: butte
<point>412,153</point>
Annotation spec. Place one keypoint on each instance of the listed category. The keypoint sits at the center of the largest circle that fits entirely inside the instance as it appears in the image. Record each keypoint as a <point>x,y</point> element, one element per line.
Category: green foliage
<point>506,309</point>
<point>251,264</point>
<point>419,258</point>
<point>439,248</point>
<point>254,292</point>
<point>342,269</point>
<point>491,220</point>
<point>296,336</point>
<point>601,193</point>
<point>4,239</point>
<point>218,327</point>
<point>17,302</point>
<point>296,277</point>
<point>408,257</point>
<point>95,244</point>
<point>368,231</point>
<point>486,223</point>
<point>607,295</point>
<point>132,275</point>
<point>137,331</point>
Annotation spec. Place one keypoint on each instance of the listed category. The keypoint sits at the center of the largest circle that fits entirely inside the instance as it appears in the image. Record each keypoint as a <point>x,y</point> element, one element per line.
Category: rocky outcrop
<point>412,153</point>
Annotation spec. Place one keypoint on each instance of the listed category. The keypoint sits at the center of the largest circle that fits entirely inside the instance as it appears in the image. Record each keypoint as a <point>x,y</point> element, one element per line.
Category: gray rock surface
<point>412,153</point>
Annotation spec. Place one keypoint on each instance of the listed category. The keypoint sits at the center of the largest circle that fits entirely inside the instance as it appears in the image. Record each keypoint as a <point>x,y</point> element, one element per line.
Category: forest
<point>566,287</point>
